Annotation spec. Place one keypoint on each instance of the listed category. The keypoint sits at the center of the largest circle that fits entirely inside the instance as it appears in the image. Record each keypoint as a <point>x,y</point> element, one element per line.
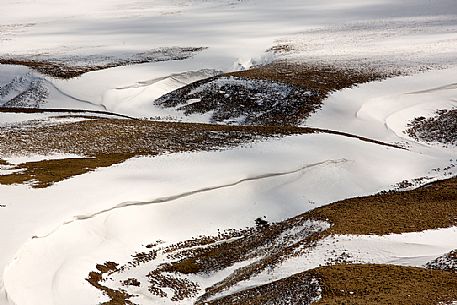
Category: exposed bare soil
<point>301,289</point>
<point>139,137</point>
<point>117,297</point>
<point>384,284</point>
<point>104,142</point>
<point>320,78</point>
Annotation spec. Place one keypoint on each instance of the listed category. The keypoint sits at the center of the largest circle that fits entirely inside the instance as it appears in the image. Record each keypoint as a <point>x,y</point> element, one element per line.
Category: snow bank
<point>382,110</point>
<point>179,196</point>
<point>237,34</point>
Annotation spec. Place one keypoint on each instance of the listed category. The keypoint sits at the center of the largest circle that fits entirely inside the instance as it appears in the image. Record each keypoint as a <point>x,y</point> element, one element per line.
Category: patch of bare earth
<point>277,94</point>
<point>264,247</point>
<point>301,289</point>
<point>104,142</point>
<point>139,137</point>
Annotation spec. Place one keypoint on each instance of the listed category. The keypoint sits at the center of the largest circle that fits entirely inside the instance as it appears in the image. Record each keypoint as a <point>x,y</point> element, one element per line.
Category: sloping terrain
<point>100,140</point>
<point>293,166</point>
<point>228,152</point>
<point>276,94</point>
<point>68,66</point>
<point>363,284</point>
<point>24,91</point>
<point>447,262</point>
<point>247,253</point>
<point>440,128</point>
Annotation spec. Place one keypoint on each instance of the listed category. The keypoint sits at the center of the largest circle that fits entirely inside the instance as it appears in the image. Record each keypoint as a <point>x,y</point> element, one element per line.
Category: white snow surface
<point>109,213</point>
<point>15,80</point>
<point>382,110</point>
<point>16,119</point>
<point>237,34</point>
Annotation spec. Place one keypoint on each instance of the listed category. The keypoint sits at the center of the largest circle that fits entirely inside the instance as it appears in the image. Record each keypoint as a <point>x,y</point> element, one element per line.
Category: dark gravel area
<point>440,128</point>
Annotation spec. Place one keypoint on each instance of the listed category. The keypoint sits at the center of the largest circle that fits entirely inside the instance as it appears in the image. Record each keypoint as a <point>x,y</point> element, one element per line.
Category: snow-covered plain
<point>76,232</point>
<point>411,33</point>
<point>382,110</point>
<point>109,213</point>
<point>147,199</point>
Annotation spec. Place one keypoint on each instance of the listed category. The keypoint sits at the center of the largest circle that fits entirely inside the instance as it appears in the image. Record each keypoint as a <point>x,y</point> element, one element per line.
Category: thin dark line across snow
<point>431,90</point>
<point>198,191</point>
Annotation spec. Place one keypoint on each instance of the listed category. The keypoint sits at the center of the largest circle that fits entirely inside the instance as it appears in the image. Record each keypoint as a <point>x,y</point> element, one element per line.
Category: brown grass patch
<point>320,78</point>
<point>117,297</point>
<point>138,137</point>
<point>66,69</point>
<point>44,173</point>
<point>429,207</point>
<point>110,141</point>
<point>384,284</point>
<point>355,285</point>
<point>52,69</point>
<point>297,289</point>
<point>280,93</point>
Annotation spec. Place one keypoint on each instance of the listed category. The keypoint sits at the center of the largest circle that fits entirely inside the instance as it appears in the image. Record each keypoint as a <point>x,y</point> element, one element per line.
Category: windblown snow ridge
<point>194,192</point>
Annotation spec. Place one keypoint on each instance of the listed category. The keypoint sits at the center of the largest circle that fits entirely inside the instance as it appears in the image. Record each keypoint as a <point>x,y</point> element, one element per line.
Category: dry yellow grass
<point>112,141</point>
<point>117,297</point>
<point>320,78</point>
<point>44,173</point>
<point>429,207</point>
<point>384,284</point>
<point>353,285</point>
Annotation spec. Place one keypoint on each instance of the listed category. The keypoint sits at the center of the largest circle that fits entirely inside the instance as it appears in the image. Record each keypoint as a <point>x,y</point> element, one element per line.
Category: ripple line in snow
<point>194,192</point>
<point>431,90</point>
